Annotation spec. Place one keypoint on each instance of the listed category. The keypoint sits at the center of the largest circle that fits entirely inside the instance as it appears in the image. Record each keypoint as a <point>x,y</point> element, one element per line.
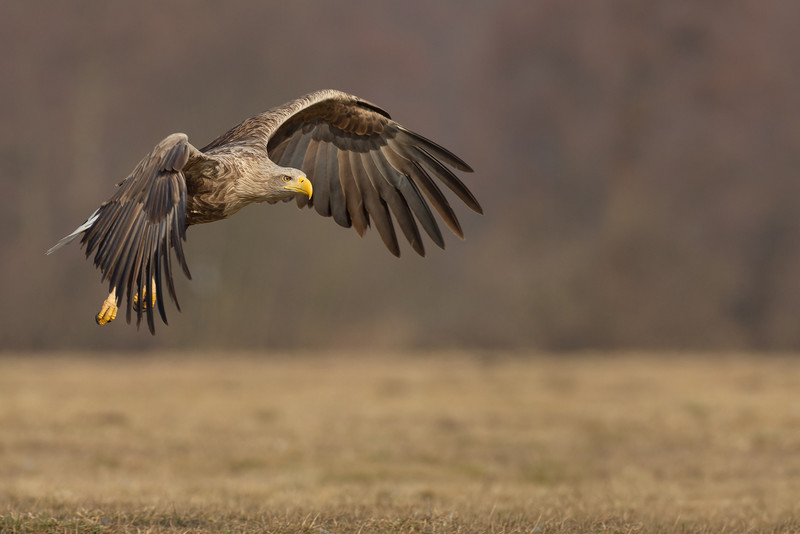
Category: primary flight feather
<point>362,167</point>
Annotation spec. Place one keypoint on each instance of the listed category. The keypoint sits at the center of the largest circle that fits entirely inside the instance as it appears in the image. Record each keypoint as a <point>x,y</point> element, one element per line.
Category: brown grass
<point>399,443</point>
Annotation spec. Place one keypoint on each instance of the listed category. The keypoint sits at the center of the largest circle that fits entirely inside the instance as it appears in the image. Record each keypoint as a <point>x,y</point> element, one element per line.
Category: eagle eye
<point>287,178</point>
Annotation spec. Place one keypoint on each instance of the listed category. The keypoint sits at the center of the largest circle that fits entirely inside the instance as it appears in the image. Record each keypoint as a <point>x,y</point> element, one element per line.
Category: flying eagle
<point>362,167</point>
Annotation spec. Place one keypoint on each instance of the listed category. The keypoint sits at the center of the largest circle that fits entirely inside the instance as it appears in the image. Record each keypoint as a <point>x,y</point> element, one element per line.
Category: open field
<point>451,442</point>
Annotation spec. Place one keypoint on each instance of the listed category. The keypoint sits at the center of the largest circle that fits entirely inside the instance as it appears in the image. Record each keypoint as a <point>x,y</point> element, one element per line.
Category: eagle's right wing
<point>132,233</point>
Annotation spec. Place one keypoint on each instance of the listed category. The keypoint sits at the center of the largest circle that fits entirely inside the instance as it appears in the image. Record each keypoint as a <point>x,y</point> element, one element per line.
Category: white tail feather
<point>78,231</point>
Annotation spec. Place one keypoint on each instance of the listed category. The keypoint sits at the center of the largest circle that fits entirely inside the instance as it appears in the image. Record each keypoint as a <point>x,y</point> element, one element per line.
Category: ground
<point>424,442</point>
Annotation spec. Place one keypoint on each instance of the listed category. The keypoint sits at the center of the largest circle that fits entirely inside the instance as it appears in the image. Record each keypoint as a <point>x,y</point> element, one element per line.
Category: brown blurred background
<point>637,162</point>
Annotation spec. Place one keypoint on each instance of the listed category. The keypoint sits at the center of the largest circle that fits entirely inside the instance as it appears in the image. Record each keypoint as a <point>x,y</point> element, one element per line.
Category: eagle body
<point>217,186</point>
<point>363,169</point>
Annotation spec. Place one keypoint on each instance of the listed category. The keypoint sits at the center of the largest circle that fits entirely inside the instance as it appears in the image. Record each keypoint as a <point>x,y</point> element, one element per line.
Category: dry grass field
<point>435,443</point>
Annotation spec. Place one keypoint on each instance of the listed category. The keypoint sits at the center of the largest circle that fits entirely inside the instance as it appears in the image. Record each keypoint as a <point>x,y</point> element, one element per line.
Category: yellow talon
<point>153,299</point>
<point>108,311</point>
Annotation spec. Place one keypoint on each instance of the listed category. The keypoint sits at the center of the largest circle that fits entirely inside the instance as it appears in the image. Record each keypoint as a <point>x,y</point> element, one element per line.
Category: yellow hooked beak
<point>303,185</point>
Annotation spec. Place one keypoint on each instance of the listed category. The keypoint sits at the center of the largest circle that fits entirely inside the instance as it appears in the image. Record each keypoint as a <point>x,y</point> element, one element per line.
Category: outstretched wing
<point>367,168</point>
<point>131,234</point>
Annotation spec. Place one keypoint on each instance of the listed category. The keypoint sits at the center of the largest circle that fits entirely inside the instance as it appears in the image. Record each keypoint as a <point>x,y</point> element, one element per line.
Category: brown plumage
<point>365,168</point>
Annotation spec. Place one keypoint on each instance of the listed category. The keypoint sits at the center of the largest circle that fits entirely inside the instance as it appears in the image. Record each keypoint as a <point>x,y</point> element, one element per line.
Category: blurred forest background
<point>637,163</point>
